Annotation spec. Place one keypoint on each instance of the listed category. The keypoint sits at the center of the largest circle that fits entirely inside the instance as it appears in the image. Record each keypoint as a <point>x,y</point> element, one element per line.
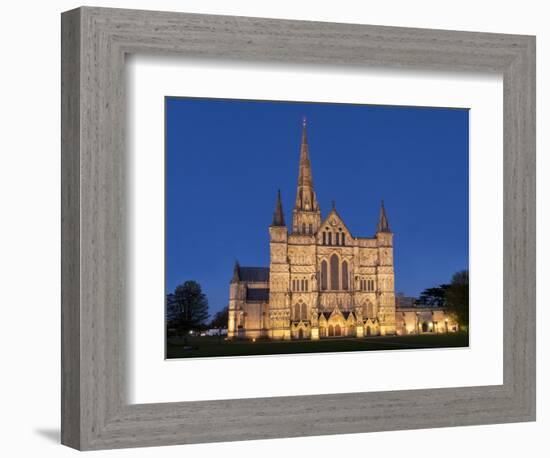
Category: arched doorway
<point>337,330</point>
<point>331,330</point>
<point>300,333</point>
<point>368,331</point>
<point>425,326</point>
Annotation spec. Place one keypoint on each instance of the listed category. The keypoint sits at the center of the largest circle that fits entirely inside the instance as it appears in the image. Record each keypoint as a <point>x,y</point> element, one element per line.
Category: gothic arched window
<point>345,279</point>
<point>306,288</point>
<point>343,238</point>
<point>303,228</point>
<point>330,238</point>
<point>303,316</point>
<point>337,238</point>
<point>324,275</point>
<point>310,228</point>
<point>324,238</point>
<point>334,276</point>
<point>303,285</point>
<point>297,312</point>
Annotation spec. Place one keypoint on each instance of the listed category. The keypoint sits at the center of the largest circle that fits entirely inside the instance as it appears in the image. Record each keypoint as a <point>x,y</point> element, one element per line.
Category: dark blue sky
<point>226,159</point>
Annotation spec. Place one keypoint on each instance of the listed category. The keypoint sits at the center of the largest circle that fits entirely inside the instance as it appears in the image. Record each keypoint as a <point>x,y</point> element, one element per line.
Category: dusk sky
<point>225,161</point>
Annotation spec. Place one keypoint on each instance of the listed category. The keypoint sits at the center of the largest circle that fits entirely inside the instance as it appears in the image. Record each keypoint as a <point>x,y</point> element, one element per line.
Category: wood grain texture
<point>70,229</point>
<point>96,414</point>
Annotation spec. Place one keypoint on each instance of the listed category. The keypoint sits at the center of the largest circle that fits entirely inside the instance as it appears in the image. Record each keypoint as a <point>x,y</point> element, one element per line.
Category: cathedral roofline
<point>253,274</point>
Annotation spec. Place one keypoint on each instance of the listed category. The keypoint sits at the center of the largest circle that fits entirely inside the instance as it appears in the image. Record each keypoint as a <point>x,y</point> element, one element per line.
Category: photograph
<point>302,227</point>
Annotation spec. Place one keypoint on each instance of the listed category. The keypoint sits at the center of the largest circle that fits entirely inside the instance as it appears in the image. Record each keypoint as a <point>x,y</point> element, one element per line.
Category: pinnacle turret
<point>278,215</point>
<point>236,273</point>
<point>383,225</point>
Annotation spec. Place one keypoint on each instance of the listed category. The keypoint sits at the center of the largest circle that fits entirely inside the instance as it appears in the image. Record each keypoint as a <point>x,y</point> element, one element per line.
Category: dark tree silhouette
<point>432,297</point>
<point>186,308</point>
<point>457,297</point>
<point>220,319</point>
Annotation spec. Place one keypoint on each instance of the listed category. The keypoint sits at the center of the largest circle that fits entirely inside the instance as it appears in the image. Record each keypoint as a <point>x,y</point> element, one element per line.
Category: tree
<point>220,321</point>
<point>220,318</point>
<point>186,308</point>
<point>457,297</point>
<point>433,297</point>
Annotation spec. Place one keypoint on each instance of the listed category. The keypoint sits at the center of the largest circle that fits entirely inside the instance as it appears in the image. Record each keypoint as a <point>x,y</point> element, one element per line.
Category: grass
<point>212,346</point>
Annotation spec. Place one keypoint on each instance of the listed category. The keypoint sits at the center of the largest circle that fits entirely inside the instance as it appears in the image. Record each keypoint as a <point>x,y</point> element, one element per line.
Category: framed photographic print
<point>331,226</point>
<point>319,281</point>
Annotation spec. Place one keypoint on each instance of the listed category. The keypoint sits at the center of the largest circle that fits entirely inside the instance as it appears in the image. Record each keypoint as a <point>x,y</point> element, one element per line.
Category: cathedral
<point>322,281</point>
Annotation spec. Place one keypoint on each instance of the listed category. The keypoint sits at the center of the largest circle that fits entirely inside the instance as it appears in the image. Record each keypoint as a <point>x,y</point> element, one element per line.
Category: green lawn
<point>212,346</point>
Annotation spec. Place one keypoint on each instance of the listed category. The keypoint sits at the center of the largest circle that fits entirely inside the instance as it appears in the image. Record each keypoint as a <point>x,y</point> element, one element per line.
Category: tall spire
<point>305,196</point>
<point>383,225</point>
<point>278,215</point>
<point>306,216</point>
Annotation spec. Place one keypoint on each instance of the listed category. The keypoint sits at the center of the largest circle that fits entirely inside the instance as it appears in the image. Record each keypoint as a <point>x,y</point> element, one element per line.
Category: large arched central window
<point>334,275</point>
<point>324,275</point>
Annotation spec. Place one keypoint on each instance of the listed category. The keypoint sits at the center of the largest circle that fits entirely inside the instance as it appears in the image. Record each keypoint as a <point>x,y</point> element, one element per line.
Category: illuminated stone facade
<point>322,281</point>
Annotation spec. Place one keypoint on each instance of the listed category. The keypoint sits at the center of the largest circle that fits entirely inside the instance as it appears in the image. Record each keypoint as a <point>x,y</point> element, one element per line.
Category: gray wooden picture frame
<point>95,412</point>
